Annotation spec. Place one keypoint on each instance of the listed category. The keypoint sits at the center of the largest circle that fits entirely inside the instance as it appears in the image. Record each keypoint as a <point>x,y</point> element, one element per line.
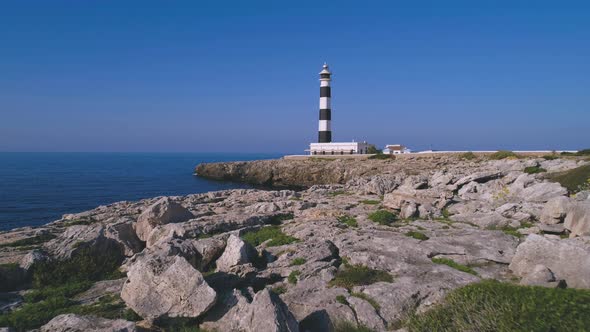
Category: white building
<point>396,149</point>
<point>338,148</point>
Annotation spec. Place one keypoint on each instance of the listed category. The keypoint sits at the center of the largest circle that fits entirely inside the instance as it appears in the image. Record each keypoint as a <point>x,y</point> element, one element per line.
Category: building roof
<point>395,147</point>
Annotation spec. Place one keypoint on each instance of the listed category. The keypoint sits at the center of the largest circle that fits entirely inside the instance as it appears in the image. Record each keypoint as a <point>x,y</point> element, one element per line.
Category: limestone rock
<point>555,210</point>
<point>160,287</point>
<point>164,211</point>
<point>266,313</point>
<point>77,323</point>
<point>577,220</point>
<point>236,252</point>
<point>539,276</point>
<point>568,259</point>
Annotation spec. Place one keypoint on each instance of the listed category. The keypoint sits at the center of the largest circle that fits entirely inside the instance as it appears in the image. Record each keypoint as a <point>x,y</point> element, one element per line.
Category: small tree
<point>373,150</point>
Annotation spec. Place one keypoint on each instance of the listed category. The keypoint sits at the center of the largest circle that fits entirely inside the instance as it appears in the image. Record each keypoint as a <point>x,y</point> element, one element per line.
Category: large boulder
<point>577,220</point>
<point>166,286</point>
<point>568,259</point>
<point>266,313</point>
<point>77,323</point>
<point>91,239</point>
<point>237,252</point>
<point>164,211</point>
<point>555,210</point>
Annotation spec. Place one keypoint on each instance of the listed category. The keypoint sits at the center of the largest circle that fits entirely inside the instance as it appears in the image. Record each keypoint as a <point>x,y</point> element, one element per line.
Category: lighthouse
<point>325,146</point>
<point>325,127</point>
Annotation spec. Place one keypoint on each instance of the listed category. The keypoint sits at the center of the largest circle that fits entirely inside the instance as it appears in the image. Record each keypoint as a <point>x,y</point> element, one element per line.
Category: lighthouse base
<point>335,148</point>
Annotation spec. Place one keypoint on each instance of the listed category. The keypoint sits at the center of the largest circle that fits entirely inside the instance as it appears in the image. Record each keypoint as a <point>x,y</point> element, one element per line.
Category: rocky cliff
<point>367,244</point>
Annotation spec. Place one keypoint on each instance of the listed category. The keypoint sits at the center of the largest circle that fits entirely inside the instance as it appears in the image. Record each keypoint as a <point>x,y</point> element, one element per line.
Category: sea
<point>37,188</point>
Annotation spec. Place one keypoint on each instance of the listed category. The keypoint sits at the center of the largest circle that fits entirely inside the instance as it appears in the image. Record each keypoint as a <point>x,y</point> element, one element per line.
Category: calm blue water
<point>36,188</point>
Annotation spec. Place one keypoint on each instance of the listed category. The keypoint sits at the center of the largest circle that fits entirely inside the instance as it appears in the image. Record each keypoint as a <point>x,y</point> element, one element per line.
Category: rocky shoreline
<point>362,246</point>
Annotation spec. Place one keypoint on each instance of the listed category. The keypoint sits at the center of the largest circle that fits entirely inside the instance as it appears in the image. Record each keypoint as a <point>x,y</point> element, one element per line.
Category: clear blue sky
<point>242,75</point>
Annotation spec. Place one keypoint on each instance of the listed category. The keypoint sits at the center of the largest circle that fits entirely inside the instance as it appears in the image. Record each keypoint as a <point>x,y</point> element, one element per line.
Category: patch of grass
<point>367,298</point>
<point>468,156</point>
<point>382,156</point>
<point>279,218</point>
<point>370,202</point>
<point>494,306</point>
<point>454,265</point>
<point>346,326</point>
<point>417,235</point>
<point>272,233</point>
<point>292,278</point>
<point>358,275</point>
<point>79,221</point>
<point>341,299</point>
<point>348,220</point>
<point>507,230</point>
<point>534,170</point>
<point>338,193</point>
<point>503,154</point>
<point>298,261</point>
<point>85,265</point>
<point>382,217</point>
<point>30,241</point>
<point>574,180</point>
<point>550,157</point>
<point>279,290</point>
<point>67,290</point>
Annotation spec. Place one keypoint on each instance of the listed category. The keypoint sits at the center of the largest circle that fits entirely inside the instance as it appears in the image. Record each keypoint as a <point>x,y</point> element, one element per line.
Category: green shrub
<point>454,265</point>
<point>272,233</point>
<point>345,326</point>
<point>31,241</point>
<point>382,217</point>
<point>550,157</point>
<point>574,180</point>
<point>367,298</point>
<point>338,193</point>
<point>534,170</point>
<point>85,265</point>
<point>298,261</point>
<point>358,275</point>
<point>348,220</point>
<point>468,156</point>
<point>279,218</point>
<point>503,154</point>
<point>417,235</point>
<point>382,156</point>
<point>370,201</point>
<point>292,278</point>
<point>341,299</point>
<point>279,290</point>
<point>494,306</point>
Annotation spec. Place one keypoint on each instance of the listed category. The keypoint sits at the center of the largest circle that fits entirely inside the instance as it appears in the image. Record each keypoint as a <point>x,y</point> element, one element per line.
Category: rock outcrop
<point>168,286</point>
<point>77,323</point>
<point>164,211</point>
<point>567,259</point>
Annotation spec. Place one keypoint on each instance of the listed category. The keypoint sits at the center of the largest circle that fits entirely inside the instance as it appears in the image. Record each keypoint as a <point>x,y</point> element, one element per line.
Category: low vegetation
<point>417,235</point>
<point>494,306</point>
<point>503,154</point>
<point>279,218</point>
<point>279,290</point>
<point>293,276</point>
<point>30,241</point>
<point>454,265</point>
<point>382,156</point>
<point>348,220</point>
<point>338,193</point>
<point>272,233</point>
<point>383,217</point>
<point>345,326</point>
<point>574,180</point>
<point>357,275</point>
<point>534,170</point>
<point>550,157</point>
<point>508,230</point>
<point>298,261</point>
<point>341,299</point>
<point>468,156</point>
<point>580,153</point>
<point>370,202</point>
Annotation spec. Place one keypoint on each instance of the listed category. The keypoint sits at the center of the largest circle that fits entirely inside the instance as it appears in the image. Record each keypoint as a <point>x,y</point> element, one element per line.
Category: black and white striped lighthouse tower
<point>325,129</point>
